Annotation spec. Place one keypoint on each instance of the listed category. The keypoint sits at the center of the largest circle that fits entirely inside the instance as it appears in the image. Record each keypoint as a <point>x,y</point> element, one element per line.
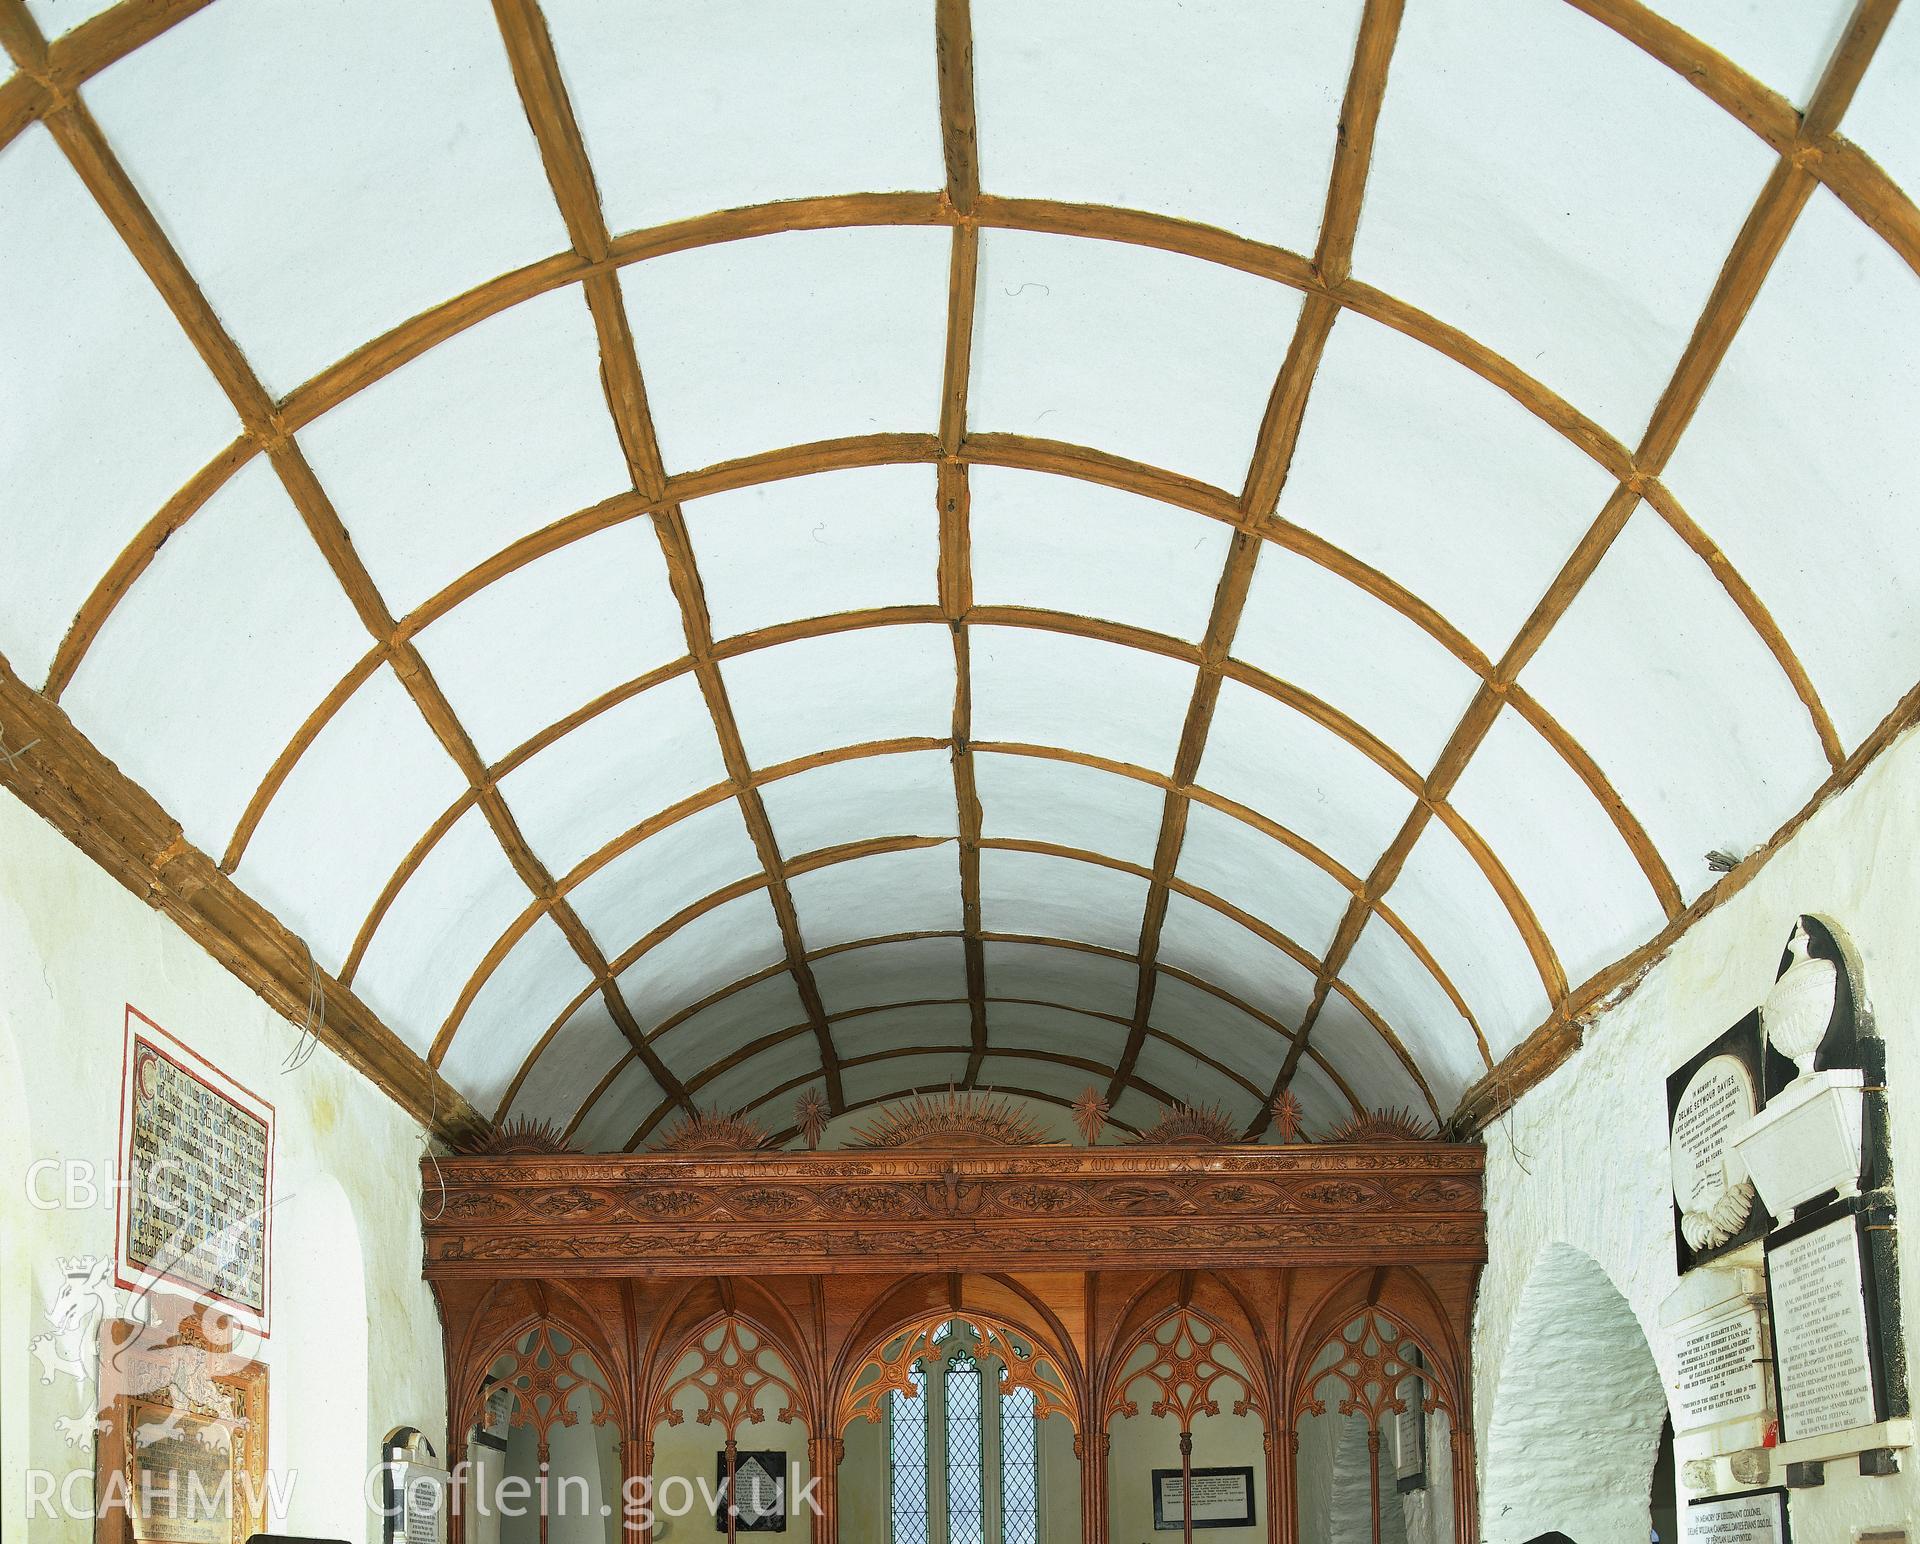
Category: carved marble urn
<point>1806,1141</point>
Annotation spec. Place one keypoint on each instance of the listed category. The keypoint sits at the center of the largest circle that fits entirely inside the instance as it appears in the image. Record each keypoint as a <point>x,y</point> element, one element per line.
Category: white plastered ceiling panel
<point>1805,456</point>
<point>198,681</point>
<point>263,177</point>
<point>1438,479</point>
<point>874,683</point>
<point>915,890</point>
<point>910,1024</point>
<point>964,508</point>
<point>678,866</point>
<point>1042,1027</point>
<point>1038,799</point>
<point>627,763</point>
<point>1073,978</point>
<point>1038,687</point>
<point>627,1100</point>
<point>1141,105</point>
<point>698,105</point>
<point>553,636</point>
<point>1606,193</point>
<point>784,339</point>
<point>84,342</point>
<point>880,1080</point>
<point>1064,350</point>
<point>501,430</point>
<point>814,546</point>
<point>877,974</point>
<point>525,993</point>
<point>1656,673</point>
<point>1052,897</point>
<point>901,793</point>
<point>717,1031</point>
<point>1168,1067</point>
<point>585,1049</point>
<point>354,805</point>
<point>1061,544</point>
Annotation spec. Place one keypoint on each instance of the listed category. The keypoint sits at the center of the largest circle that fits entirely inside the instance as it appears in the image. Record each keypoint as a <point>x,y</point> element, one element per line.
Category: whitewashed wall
<point>1583,1160</point>
<point>355,1346</point>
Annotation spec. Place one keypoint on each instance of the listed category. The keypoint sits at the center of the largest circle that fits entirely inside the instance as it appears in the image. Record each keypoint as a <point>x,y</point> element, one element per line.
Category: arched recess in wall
<point>1577,1412</point>
<point>318,1360</point>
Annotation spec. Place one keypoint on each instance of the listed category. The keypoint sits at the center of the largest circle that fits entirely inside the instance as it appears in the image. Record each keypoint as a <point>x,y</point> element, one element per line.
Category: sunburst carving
<point>810,1114</point>
<point>1090,1114</point>
<point>714,1131</point>
<point>1399,1125</point>
<point>1287,1115</point>
<point>1191,1124</point>
<point>519,1135</point>
<point>956,1118</point>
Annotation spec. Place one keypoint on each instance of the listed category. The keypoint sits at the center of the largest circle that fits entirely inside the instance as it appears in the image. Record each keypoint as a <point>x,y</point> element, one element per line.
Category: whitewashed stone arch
<point>1577,1412</point>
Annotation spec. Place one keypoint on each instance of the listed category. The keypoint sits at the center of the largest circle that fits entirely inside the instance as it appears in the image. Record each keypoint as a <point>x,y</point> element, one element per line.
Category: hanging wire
<point>426,1149</point>
<point>316,1020</point>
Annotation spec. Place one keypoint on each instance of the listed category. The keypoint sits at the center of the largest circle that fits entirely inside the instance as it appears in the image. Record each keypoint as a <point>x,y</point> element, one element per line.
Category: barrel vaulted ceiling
<point>701,549</point>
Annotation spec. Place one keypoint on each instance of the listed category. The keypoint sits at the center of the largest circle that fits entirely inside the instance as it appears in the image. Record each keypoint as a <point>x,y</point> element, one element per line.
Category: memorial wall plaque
<point>1222,1498</point>
<point>1759,1517</point>
<point>1821,1328</point>
<point>196,1163</point>
<point>1719,1370</point>
<point>759,1492</point>
<point>1710,1097</point>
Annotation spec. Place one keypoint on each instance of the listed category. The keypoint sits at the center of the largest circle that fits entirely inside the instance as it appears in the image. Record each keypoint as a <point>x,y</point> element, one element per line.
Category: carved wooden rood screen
<point>1157,1323</point>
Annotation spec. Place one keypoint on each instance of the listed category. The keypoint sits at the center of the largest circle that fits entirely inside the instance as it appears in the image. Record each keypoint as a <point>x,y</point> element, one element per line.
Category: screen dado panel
<point>1076,1271</point>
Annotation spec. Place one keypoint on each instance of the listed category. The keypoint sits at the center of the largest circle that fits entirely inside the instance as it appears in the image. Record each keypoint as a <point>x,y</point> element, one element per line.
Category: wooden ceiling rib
<point>1810,150</point>
<point>683,1015</point>
<point>850,852</point>
<point>625,841</point>
<point>1761,237</point>
<point>953,53</point>
<point>1267,471</point>
<point>536,73</point>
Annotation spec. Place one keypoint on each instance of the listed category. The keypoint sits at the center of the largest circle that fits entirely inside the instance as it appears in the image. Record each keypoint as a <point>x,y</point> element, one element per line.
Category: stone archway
<point>1577,1413</point>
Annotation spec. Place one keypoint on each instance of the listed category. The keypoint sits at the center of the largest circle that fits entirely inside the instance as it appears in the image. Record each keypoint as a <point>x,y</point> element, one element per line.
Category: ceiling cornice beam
<point>60,775</point>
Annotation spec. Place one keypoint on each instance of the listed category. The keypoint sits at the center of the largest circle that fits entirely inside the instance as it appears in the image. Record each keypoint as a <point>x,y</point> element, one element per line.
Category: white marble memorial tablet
<point>1710,1184</point>
<point>1718,1371</point>
<point>1820,1327</point>
<point>1755,1519</point>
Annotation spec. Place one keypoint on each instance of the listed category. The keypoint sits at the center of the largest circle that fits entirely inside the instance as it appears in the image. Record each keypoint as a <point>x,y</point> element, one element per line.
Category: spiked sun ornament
<point>1286,1115</point>
<point>517,1137</point>
<point>810,1112</point>
<point>1192,1124</point>
<point>714,1131</point>
<point>1090,1114</point>
<point>1382,1126</point>
<point>956,1118</point>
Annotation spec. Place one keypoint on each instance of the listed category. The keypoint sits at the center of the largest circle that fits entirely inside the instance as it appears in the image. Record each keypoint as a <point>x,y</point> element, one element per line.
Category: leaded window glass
<point>1019,1469</point>
<point>907,1463</point>
<point>963,1457</point>
<point>966,1473</point>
